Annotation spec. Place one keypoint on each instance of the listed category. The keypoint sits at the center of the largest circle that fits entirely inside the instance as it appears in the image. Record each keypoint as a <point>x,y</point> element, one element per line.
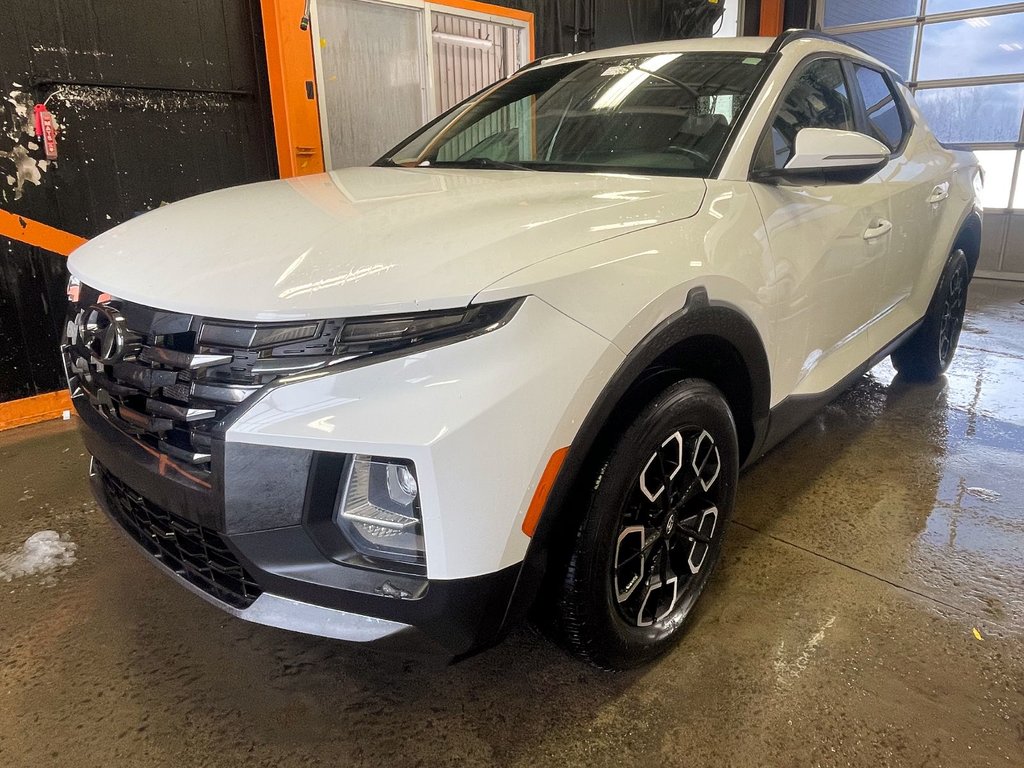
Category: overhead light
<point>469,42</point>
<point>978,22</point>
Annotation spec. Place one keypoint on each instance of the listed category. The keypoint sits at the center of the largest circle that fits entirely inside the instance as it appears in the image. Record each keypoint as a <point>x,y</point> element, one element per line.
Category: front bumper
<point>479,418</point>
<point>279,577</point>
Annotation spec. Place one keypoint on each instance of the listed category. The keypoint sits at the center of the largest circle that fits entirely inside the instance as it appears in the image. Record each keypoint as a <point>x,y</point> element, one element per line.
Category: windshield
<point>669,113</point>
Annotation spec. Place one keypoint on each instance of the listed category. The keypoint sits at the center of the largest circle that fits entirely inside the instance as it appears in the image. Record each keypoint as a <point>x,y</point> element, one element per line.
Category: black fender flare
<point>699,316</point>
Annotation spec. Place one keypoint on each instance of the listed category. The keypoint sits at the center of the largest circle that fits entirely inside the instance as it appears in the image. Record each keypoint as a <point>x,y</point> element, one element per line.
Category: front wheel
<point>652,530</point>
<point>928,352</point>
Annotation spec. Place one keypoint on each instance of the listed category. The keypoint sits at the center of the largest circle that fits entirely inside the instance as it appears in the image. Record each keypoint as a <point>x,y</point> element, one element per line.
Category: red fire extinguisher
<point>46,129</point>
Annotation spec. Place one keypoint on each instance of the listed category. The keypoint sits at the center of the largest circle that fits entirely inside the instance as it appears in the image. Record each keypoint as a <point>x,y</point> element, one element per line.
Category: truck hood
<point>365,241</point>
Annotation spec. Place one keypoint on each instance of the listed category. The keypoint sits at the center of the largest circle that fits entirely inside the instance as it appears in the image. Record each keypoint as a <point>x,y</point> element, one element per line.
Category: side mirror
<point>825,154</point>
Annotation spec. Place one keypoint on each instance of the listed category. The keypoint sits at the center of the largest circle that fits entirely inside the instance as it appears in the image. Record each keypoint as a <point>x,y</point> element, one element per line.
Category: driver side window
<point>816,98</point>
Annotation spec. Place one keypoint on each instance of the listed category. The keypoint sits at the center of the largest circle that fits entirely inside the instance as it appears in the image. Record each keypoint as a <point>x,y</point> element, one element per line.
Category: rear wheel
<point>929,351</point>
<point>652,530</point>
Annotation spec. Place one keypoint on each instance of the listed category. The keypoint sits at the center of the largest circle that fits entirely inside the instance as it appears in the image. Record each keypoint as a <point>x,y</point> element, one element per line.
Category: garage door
<point>965,61</point>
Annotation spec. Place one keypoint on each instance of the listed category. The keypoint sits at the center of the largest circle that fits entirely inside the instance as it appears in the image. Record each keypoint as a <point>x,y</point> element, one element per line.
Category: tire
<point>928,352</point>
<point>654,522</point>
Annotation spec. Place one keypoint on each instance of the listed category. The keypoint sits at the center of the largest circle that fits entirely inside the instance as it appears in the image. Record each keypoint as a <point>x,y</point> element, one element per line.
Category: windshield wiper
<point>479,162</point>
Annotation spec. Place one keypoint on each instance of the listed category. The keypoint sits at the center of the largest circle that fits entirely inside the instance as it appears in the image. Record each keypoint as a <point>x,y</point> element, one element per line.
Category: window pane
<point>841,12</point>
<point>945,6</point>
<point>817,98</point>
<point>998,167</point>
<point>952,113</point>
<point>883,113</point>
<point>992,45</point>
<point>661,113</point>
<point>893,46</point>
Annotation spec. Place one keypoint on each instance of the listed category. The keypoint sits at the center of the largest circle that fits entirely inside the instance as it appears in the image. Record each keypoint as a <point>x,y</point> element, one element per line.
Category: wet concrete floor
<point>869,611</point>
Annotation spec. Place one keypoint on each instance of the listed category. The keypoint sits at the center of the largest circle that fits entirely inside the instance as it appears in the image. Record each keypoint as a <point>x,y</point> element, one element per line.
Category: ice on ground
<point>42,552</point>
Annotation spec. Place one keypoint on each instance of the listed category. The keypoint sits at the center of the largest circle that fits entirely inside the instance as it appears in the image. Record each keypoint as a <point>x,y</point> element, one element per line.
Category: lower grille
<point>197,554</point>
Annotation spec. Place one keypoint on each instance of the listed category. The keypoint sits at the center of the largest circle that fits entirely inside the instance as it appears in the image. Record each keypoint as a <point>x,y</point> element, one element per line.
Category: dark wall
<point>570,26</point>
<point>155,102</point>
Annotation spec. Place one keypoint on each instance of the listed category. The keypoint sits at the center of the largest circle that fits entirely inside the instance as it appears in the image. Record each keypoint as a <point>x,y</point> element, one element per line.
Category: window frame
<point>860,117</point>
<point>797,72</point>
<point>902,109</point>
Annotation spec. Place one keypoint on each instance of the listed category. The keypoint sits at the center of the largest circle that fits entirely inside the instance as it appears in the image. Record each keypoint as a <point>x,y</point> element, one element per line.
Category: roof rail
<point>543,60</point>
<point>791,35</point>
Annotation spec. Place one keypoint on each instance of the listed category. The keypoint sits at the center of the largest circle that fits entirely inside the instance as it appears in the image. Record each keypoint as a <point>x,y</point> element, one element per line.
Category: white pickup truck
<point>520,360</point>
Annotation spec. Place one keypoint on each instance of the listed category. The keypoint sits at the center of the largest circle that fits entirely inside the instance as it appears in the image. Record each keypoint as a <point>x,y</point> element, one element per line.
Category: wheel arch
<point>705,339</point>
<point>968,238</point>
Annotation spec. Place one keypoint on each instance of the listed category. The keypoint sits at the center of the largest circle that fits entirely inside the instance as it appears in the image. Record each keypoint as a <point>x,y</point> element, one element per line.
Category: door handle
<point>939,193</point>
<point>877,229</point>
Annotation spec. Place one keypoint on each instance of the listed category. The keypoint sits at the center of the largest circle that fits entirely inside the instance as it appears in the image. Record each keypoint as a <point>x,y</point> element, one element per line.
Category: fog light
<point>380,511</point>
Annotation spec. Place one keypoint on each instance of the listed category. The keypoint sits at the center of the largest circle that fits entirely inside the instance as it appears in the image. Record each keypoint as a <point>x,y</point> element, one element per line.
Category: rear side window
<point>882,106</point>
<point>817,97</point>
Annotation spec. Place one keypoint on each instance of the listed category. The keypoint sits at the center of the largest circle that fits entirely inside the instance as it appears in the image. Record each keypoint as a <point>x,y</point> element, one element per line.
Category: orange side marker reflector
<point>540,496</point>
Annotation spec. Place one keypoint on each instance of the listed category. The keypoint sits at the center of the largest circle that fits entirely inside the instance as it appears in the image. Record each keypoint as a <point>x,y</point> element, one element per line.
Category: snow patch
<point>42,552</point>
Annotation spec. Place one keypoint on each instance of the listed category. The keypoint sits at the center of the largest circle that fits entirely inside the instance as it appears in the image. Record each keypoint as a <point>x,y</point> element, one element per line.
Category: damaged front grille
<point>197,554</point>
<point>171,379</point>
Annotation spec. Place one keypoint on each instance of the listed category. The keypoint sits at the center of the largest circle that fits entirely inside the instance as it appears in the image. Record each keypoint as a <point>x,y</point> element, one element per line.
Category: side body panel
<point>842,286</point>
<point>829,277</point>
<point>924,231</point>
<point>623,288</point>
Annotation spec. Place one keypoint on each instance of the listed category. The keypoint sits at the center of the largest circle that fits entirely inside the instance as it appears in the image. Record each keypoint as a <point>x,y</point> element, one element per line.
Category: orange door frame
<point>771,17</point>
<point>51,405</point>
<point>292,88</point>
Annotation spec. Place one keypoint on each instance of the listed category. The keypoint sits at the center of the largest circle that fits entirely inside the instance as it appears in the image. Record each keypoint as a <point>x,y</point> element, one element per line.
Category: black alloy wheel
<point>953,308</point>
<point>652,528</point>
<point>928,352</point>
<point>668,528</point>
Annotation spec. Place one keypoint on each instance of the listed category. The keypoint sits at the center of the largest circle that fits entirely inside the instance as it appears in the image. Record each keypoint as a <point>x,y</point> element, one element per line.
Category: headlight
<point>380,334</point>
<point>379,509</point>
<point>267,351</point>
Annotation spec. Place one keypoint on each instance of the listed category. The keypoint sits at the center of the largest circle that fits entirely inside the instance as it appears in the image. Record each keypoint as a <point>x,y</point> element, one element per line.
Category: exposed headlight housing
<point>379,509</point>
<point>372,335</point>
<point>262,352</point>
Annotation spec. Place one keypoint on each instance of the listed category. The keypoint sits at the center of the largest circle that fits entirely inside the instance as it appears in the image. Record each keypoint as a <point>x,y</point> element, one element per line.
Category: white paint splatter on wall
<point>94,97</point>
<point>21,122</point>
<point>17,164</point>
<point>27,169</point>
